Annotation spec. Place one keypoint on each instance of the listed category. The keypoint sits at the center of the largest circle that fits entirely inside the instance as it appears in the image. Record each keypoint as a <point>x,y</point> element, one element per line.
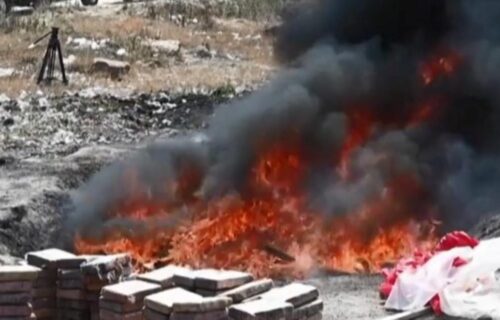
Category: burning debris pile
<point>378,136</point>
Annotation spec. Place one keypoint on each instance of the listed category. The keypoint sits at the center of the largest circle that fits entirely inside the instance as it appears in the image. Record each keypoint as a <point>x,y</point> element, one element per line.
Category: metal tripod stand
<point>49,60</point>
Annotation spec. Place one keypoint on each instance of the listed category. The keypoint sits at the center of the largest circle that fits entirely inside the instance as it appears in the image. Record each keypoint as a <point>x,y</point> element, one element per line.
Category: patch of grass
<point>257,10</point>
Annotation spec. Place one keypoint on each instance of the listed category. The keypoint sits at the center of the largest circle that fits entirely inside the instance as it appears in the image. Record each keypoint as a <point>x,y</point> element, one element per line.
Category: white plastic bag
<point>415,288</point>
<point>474,291</point>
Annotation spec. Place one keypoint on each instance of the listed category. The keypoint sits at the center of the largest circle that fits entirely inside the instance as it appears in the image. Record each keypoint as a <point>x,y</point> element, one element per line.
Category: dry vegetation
<point>234,30</point>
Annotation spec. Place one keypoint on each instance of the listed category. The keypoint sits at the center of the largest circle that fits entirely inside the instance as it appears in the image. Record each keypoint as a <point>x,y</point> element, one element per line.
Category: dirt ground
<point>212,51</point>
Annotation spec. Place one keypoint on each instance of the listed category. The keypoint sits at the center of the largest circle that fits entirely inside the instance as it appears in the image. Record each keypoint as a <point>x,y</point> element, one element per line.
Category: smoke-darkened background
<point>341,57</point>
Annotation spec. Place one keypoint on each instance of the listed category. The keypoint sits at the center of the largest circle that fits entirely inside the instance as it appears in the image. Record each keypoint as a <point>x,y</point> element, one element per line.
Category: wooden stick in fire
<point>277,252</point>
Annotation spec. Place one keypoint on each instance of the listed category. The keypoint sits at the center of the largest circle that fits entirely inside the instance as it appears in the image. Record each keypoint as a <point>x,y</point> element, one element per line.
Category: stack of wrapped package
<point>16,283</point>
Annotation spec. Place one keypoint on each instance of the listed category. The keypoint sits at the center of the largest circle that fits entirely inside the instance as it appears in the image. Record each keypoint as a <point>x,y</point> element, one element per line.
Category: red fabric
<point>451,240</point>
<point>456,239</point>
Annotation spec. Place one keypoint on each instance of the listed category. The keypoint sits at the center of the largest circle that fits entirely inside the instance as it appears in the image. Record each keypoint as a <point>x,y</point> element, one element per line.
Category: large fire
<point>270,229</point>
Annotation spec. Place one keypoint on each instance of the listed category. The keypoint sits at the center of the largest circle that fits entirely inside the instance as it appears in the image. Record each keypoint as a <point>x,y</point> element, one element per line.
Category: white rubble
<point>6,72</point>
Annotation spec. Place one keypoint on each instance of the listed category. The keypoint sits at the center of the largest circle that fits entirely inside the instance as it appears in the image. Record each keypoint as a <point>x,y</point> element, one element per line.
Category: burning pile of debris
<point>57,284</point>
<point>374,141</point>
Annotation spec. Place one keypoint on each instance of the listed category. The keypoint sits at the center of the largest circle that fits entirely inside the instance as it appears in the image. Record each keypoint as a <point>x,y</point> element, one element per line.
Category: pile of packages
<point>459,278</point>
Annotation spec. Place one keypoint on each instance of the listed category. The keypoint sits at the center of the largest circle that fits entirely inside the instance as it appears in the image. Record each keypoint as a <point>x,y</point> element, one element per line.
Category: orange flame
<point>237,231</point>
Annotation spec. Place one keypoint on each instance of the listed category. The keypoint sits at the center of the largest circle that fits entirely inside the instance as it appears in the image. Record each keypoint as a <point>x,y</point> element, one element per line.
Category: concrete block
<point>108,267</point>
<point>120,307</point>
<point>297,294</point>
<point>44,283</point>
<point>163,276</point>
<point>54,259</point>
<point>185,278</point>
<point>150,314</point>
<point>109,315</point>
<point>71,284</point>
<point>9,311</point>
<point>69,274</point>
<point>210,315</point>
<point>215,280</point>
<point>16,286</point>
<point>248,290</point>
<point>47,274</point>
<point>43,293</point>
<point>71,294</point>
<point>73,304</point>
<point>261,309</point>
<point>206,304</point>
<point>18,273</point>
<point>308,310</point>
<point>69,314</point>
<point>163,301</point>
<point>43,303</point>
<point>15,298</point>
<point>132,291</point>
<point>46,313</point>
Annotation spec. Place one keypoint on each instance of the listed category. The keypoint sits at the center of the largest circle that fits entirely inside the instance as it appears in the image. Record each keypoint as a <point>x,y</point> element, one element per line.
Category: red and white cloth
<point>459,278</point>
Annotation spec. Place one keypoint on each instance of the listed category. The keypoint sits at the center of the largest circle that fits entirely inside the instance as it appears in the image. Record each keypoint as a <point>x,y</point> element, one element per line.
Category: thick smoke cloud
<point>343,54</point>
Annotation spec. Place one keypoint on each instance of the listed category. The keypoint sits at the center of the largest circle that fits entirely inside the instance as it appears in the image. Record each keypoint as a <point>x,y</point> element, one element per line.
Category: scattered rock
<point>121,52</point>
<point>165,46</point>
<point>113,68</point>
<point>21,11</point>
<point>6,72</point>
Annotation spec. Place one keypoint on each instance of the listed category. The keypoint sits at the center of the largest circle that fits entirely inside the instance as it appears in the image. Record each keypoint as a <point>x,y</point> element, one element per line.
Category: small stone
<point>54,259</point>
<point>162,302</point>
<point>8,122</point>
<point>308,310</point>
<point>163,276</point>
<point>248,290</point>
<point>129,291</point>
<point>212,279</point>
<point>6,72</point>
<point>18,273</point>
<point>166,46</point>
<point>113,68</point>
<point>261,309</point>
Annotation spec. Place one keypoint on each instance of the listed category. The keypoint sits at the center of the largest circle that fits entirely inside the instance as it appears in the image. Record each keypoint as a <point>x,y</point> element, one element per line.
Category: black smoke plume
<point>340,54</point>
